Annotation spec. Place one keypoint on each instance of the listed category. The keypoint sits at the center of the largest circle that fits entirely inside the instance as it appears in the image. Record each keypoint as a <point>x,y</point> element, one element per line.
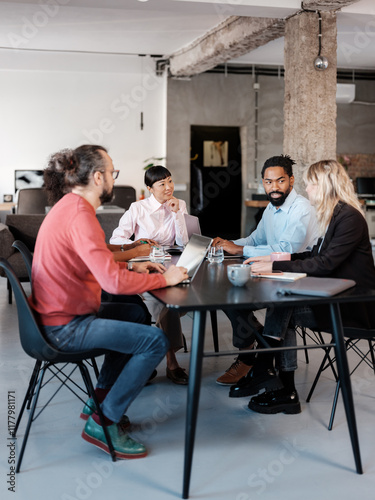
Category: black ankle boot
<point>254,382</point>
<point>281,401</point>
<point>287,378</point>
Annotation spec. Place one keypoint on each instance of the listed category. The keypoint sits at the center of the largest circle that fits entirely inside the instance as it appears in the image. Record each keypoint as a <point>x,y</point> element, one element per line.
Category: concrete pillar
<point>310,95</point>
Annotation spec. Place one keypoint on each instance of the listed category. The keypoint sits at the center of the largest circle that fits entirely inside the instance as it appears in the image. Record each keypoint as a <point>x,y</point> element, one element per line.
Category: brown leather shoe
<point>235,372</point>
<point>178,376</point>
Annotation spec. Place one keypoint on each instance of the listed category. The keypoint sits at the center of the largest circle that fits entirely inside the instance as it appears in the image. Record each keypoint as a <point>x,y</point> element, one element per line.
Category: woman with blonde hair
<point>342,251</point>
<point>330,183</point>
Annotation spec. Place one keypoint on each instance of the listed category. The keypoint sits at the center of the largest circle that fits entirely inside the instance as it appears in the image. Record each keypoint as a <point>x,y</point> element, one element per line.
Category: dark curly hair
<point>71,167</point>
<point>284,161</point>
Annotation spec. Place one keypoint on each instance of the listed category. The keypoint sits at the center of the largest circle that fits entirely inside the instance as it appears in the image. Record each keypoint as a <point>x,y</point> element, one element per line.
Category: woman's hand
<point>261,258</point>
<point>146,267</point>
<point>173,204</point>
<point>145,241</point>
<point>261,267</point>
<point>142,250</point>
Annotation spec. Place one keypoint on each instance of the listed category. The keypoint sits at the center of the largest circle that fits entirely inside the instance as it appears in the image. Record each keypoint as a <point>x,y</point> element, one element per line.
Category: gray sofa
<point>25,228</point>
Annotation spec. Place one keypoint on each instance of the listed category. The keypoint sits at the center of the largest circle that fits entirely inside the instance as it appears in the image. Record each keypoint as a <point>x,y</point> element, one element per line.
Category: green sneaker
<point>89,409</point>
<point>123,444</point>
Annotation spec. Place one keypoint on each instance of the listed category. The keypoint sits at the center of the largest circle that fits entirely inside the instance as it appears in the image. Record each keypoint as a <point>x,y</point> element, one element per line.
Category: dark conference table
<point>210,291</point>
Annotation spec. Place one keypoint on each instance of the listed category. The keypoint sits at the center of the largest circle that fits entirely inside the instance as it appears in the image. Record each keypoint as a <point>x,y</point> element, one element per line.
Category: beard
<point>106,196</point>
<point>277,202</point>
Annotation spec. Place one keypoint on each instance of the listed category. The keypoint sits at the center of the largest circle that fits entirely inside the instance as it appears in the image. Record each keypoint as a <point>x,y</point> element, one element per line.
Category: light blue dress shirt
<point>292,227</point>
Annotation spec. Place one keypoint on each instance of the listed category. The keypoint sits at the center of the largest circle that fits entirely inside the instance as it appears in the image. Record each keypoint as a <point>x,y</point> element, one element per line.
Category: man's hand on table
<point>175,275</point>
<point>228,246</point>
<point>147,267</point>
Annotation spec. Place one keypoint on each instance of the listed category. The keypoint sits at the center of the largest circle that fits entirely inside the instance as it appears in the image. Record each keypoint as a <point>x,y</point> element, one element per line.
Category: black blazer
<point>345,253</point>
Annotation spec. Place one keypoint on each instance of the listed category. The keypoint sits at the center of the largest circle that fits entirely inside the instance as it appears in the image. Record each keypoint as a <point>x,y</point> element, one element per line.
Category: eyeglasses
<point>115,174</point>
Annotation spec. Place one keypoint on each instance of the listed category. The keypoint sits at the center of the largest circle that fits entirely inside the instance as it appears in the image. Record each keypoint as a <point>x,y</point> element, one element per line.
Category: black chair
<point>26,254</point>
<point>32,201</point>
<point>314,336</point>
<point>48,359</point>
<point>124,196</point>
<point>353,337</point>
<point>28,259</point>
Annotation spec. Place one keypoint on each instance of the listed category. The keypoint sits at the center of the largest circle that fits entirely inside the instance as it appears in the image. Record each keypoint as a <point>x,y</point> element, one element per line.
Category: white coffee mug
<point>238,274</point>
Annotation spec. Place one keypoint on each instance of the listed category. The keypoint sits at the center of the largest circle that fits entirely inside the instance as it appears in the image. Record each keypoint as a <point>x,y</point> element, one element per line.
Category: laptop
<point>192,225</point>
<point>319,287</point>
<point>193,255</point>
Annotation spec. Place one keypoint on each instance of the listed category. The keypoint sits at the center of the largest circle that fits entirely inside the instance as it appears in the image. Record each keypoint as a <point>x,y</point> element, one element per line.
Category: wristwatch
<point>130,266</point>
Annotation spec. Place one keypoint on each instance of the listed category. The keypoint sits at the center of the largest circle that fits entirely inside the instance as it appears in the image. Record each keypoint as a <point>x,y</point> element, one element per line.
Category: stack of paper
<point>281,276</point>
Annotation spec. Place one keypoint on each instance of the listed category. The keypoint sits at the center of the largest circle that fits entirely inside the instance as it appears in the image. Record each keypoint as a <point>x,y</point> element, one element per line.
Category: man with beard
<point>71,266</point>
<point>288,225</point>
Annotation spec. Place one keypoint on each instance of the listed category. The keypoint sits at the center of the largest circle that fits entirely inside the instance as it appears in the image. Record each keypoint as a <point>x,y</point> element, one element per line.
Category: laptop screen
<point>192,225</point>
<point>194,253</point>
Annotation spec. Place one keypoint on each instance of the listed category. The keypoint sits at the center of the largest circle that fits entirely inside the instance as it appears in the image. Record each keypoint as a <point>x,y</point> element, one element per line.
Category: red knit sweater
<point>71,265</point>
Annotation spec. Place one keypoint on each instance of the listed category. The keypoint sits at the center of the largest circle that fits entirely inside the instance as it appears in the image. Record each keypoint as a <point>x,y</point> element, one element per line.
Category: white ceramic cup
<point>216,254</point>
<point>280,256</point>
<point>238,274</point>
<point>157,254</point>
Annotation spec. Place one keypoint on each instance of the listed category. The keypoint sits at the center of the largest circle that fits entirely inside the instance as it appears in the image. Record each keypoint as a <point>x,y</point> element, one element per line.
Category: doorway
<point>216,180</point>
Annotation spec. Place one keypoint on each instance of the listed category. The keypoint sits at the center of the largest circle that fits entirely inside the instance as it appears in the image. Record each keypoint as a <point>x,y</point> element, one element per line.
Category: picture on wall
<point>215,153</point>
<point>24,179</point>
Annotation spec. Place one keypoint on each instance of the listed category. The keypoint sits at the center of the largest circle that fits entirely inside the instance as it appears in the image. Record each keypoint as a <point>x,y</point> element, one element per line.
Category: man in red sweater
<point>71,266</point>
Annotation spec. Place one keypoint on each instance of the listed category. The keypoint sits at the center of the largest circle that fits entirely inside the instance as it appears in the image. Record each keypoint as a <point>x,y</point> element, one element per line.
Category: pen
<point>142,241</point>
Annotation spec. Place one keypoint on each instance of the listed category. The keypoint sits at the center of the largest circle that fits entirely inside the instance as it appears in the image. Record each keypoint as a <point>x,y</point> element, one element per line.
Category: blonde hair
<point>334,185</point>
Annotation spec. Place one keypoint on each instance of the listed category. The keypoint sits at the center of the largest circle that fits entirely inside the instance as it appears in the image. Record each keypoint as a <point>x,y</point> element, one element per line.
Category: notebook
<point>146,258</point>
<point>281,276</point>
<point>320,287</point>
<point>193,255</point>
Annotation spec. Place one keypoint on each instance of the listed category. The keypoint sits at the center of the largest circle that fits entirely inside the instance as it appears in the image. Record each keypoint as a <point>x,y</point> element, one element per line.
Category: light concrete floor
<point>239,455</point>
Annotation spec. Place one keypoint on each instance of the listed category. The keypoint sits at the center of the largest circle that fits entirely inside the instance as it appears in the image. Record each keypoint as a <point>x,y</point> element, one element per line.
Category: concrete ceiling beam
<point>230,39</point>
<point>326,5</point>
<point>236,36</point>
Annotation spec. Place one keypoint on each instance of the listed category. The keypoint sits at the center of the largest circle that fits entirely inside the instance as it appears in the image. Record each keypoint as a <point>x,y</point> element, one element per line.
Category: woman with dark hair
<point>159,218</point>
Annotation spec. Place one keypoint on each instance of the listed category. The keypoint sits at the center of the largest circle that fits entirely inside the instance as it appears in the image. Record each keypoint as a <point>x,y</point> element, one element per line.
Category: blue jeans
<point>281,322</point>
<point>135,351</point>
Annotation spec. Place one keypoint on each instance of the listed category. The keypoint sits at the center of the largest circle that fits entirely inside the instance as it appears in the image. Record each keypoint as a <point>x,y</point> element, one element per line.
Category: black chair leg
<point>29,394</point>
<point>184,341</point>
<point>322,367</point>
<point>334,405</point>
<point>95,367</point>
<point>9,286</point>
<point>303,334</point>
<point>371,348</point>
<point>87,380</point>
<point>215,334</point>
<point>31,415</point>
<point>33,382</point>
